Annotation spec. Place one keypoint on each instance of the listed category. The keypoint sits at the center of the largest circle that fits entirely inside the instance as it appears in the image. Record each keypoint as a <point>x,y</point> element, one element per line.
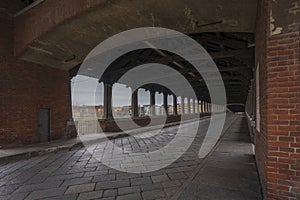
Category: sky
<point>87,91</point>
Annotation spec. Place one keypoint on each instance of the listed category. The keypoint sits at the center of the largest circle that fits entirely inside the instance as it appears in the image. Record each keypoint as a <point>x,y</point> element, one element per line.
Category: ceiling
<point>233,53</point>
<point>224,28</point>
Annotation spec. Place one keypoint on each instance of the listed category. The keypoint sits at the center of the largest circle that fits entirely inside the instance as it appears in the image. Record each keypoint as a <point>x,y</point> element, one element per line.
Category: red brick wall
<point>283,89</point>
<point>24,88</point>
<point>278,142</point>
<point>260,59</point>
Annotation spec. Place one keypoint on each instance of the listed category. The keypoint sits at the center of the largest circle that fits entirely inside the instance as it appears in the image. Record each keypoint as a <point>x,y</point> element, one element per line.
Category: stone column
<point>152,103</point>
<point>201,107</point>
<point>182,105</point>
<point>166,104</point>
<point>134,104</point>
<point>194,106</point>
<point>175,105</point>
<point>107,101</point>
<point>198,108</point>
<point>188,105</point>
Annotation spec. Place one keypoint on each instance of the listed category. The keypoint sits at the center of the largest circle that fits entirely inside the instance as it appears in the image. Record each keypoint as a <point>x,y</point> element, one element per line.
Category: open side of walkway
<point>230,171</point>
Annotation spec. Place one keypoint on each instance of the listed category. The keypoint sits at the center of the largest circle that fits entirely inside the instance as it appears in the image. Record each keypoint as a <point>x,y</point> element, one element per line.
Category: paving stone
<point>80,188</point>
<point>108,198</point>
<point>152,186</point>
<point>109,177</point>
<point>95,173</point>
<point>171,191</point>
<point>127,175</point>
<point>129,190</point>
<point>176,176</point>
<point>77,181</point>
<point>160,178</point>
<point>65,176</point>
<point>112,184</point>
<point>90,195</point>
<point>175,183</point>
<point>140,181</point>
<point>134,196</point>
<point>110,193</point>
<point>63,197</point>
<point>153,194</point>
<point>53,192</point>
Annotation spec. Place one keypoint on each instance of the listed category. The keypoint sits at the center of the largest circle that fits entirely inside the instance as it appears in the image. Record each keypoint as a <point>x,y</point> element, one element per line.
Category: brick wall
<point>260,59</point>
<point>283,128</point>
<point>24,88</point>
<point>278,142</point>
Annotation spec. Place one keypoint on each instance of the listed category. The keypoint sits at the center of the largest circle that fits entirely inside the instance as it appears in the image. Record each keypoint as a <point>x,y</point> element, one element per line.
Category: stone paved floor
<point>77,174</point>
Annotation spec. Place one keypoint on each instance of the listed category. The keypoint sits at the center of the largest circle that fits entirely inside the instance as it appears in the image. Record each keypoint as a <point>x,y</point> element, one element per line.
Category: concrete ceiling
<point>67,44</point>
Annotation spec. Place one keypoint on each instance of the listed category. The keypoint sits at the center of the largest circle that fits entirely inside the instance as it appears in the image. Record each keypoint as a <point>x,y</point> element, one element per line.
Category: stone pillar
<point>175,105</point>
<point>166,104</point>
<point>134,104</point>
<point>107,101</point>
<point>194,106</point>
<point>188,105</point>
<point>198,107</point>
<point>182,106</point>
<point>202,109</point>
<point>152,103</point>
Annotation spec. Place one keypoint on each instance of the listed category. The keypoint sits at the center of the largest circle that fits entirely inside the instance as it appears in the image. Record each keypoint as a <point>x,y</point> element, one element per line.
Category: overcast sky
<point>87,91</point>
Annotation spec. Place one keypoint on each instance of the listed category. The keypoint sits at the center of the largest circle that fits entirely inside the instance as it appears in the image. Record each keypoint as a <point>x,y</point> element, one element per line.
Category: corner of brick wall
<point>24,88</point>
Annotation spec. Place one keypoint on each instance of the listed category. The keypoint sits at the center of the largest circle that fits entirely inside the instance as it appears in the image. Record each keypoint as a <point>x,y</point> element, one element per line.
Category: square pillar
<point>188,105</point>
<point>152,103</point>
<point>194,106</point>
<point>198,107</point>
<point>175,105</point>
<point>107,101</point>
<point>165,96</point>
<point>182,106</point>
<point>134,104</point>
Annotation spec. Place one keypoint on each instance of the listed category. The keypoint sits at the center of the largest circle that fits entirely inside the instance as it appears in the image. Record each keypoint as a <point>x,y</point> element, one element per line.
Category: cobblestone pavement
<point>76,174</point>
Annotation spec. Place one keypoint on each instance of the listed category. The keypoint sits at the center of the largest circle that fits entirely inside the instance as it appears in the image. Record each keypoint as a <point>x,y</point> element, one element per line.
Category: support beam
<point>152,103</point>
<point>182,105</point>
<point>194,106</point>
<point>134,104</point>
<point>175,105</point>
<point>107,101</point>
<point>188,105</point>
<point>198,108</point>
<point>166,104</point>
